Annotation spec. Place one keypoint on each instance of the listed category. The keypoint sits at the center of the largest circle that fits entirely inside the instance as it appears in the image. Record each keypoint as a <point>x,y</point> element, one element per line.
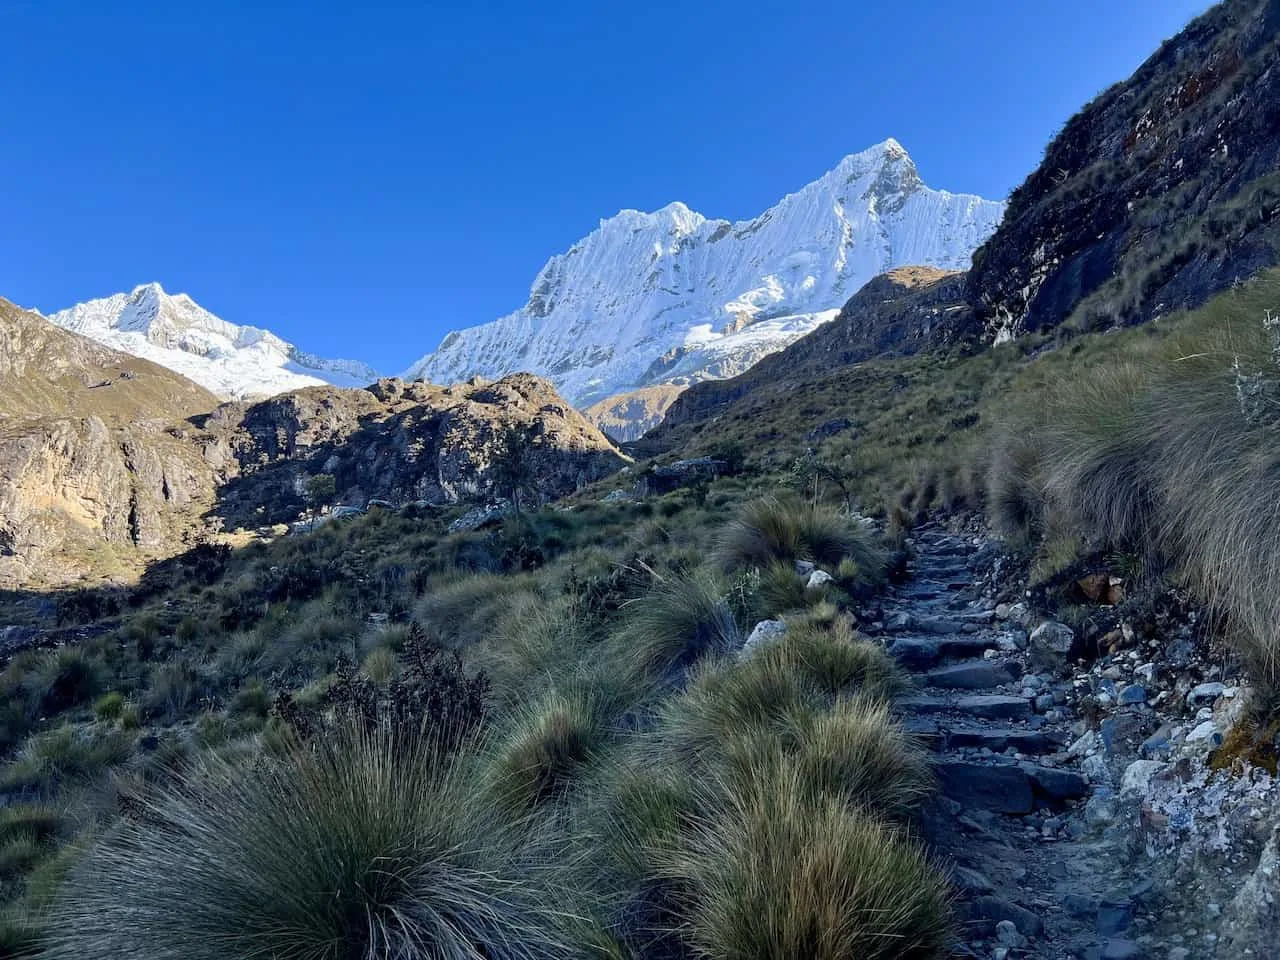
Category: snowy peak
<point>232,361</point>
<point>673,296</point>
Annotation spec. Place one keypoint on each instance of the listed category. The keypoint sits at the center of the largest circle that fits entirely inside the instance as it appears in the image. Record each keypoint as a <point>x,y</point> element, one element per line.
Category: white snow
<point>670,295</point>
<point>234,362</point>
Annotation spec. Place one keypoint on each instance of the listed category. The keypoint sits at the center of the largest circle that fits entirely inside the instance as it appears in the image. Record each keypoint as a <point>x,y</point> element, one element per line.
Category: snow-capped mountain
<point>671,296</point>
<point>232,361</point>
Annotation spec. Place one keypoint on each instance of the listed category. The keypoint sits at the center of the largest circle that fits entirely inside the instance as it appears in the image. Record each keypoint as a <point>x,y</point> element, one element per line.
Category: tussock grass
<point>682,619</point>
<point>833,658</point>
<point>774,874</point>
<point>786,529</point>
<point>1170,456</point>
<point>353,848</point>
<point>549,746</point>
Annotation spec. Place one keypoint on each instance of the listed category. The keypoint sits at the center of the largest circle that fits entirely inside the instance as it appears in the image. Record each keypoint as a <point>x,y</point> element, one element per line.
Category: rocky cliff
<point>1162,191</point>
<point>396,441</point>
<point>91,477</point>
<point>108,461</point>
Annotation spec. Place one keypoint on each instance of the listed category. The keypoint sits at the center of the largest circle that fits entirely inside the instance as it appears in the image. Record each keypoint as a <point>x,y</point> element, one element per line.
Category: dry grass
<point>350,849</point>
<point>786,529</point>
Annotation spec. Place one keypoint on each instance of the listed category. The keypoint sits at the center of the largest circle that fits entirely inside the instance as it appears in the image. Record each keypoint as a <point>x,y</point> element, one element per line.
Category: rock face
<point>1162,191</point>
<point>90,474</point>
<point>396,441</point>
<point>107,461</point>
<point>629,416</point>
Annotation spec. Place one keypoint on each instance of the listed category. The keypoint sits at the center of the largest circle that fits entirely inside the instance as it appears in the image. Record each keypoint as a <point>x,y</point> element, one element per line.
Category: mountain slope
<point>90,468</point>
<point>1162,191</point>
<point>898,313</point>
<point>671,296</point>
<point>233,361</point>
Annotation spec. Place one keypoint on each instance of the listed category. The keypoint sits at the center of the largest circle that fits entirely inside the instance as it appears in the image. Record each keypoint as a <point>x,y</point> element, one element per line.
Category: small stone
<point>1120,950</point>
<point>1044,702</point>
<point>1095,769</point>
<point>805,567</point>
<point>764,633</point>
<point>1007,934</point>
<point>970,881</point>
<point>1137,776</point>
<point>1134,693</point>
<point>1146,673</point>
<point>1114,916</point>
<point>818,579</point>
<point>997,909</point>
<point>1205,693</point>
<point>1206,732</point>
<point>1157,746</point>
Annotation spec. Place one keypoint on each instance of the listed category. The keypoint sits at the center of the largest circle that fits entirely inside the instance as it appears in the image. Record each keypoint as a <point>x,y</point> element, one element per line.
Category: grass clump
<point>358,847</point>
<point>548,747</point>
<point>1170,454</point>
<point>786,529</point>
<point>681,620</point>
<point>774,874</point>
<point>836,660</point>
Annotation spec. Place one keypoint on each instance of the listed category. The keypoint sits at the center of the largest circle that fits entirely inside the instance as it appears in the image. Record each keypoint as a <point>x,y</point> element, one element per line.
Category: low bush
<point>353,847</point>
<point>835,660</point>
<point>549,745</point>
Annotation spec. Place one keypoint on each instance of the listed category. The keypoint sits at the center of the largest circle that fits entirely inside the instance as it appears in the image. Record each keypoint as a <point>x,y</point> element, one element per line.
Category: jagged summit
<point>675,297</point>
<point>231,360</point>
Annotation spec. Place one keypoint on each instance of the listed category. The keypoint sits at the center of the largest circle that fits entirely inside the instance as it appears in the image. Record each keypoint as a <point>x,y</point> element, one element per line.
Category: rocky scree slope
<point>1091,807</point>
<point>672,297</point>
<point>234,362</point>
<point>1162,191</point>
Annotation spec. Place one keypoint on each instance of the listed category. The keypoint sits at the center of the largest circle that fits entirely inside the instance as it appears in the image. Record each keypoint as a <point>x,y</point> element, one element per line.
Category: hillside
<point>898,313</point>
<point>1162,191</point>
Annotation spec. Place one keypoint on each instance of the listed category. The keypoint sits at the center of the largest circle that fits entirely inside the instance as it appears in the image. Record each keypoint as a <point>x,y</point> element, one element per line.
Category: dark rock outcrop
<point>1161,192</point>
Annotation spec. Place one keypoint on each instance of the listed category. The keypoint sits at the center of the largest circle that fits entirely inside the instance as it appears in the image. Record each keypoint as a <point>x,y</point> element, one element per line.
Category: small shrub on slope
<point>549,745</point>
<point>356,847</point>
<point>678,622</point>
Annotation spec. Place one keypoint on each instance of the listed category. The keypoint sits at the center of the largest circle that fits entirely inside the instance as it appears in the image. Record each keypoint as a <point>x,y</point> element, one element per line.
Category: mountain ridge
<point>231,360</point>
<point>650,298</point>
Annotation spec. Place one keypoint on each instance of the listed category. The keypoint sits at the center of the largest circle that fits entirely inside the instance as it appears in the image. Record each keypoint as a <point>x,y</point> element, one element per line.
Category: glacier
<point>234,362</point>
<point>674,297</point>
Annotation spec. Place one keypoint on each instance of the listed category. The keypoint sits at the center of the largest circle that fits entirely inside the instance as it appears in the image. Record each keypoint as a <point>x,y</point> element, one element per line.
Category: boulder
<point>762,634</point>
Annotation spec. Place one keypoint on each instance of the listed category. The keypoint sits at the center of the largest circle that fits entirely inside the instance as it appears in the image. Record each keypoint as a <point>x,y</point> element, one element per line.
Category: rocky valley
<point>906,588</point>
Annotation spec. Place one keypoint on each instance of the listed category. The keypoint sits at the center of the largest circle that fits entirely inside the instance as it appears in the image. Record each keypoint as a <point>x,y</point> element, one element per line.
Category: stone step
<point>986,706</point>
<point>972,675</point>
<point>995,739</point>
<point>1007,788</point>
<point>922,653</point>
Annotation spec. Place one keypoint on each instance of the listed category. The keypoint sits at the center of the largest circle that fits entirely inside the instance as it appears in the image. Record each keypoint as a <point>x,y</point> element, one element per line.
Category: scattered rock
<point>763,633</point>
<point>819,579</point>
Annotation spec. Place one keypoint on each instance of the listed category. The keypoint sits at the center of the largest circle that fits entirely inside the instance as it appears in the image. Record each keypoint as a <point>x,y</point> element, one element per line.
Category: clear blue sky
<point>363,177</point>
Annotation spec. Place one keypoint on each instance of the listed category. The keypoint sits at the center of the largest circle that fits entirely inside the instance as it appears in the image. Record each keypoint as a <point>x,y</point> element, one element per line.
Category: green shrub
<point>109,706</point>
<point>773,873</point>
<point>65,753</point>
<point>728,701</point>
<point>787,529</point>
<point>679,621</point>
<point>69,678</point>
<point>356,847</point>
<point>380,665</point>
<point>780,590</point>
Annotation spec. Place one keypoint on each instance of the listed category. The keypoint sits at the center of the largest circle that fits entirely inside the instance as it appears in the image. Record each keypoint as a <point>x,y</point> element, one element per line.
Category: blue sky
<point>361,178</point>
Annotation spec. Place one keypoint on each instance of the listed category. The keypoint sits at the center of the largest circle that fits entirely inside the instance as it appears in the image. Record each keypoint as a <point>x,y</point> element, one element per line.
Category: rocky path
<point>1013,820</point>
